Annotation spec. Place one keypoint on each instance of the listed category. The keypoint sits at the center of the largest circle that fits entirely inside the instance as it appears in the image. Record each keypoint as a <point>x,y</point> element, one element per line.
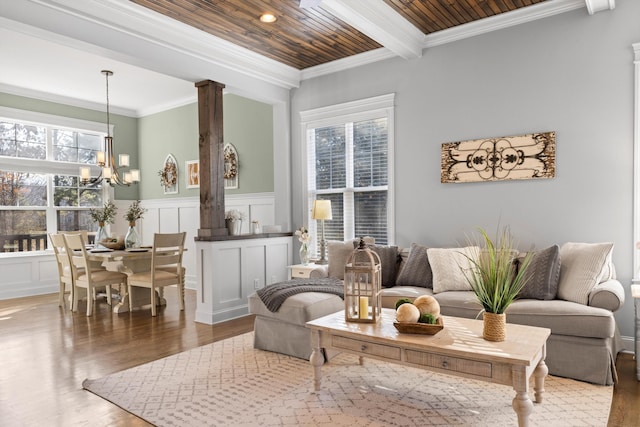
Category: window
<point>40,190</point>
<point>349,151</point>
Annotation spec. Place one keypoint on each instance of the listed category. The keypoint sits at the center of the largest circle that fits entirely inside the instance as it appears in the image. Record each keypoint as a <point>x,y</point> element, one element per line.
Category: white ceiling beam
<point>380,22</point>
<point>594,6</point>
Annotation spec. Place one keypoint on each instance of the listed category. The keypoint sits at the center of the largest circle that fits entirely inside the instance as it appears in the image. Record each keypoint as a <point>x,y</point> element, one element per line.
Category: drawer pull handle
<point>363,348</point>
<point>445,364</point>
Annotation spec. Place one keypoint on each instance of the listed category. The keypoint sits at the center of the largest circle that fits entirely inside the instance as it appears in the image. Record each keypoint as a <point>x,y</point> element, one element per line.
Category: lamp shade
<point>321,209</point>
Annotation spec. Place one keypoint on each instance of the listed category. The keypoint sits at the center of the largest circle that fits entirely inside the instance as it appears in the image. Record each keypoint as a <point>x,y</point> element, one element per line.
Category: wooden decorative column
<point>211,151</point>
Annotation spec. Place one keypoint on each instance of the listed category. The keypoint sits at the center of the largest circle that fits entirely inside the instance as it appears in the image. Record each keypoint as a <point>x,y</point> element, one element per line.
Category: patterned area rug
<point>228,383</point>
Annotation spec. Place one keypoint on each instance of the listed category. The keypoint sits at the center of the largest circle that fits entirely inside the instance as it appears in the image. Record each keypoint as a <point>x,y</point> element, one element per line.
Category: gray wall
<point>571,73</point>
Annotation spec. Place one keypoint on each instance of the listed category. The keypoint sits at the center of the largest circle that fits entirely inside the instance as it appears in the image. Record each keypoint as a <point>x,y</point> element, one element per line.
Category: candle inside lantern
<point>363,312</point>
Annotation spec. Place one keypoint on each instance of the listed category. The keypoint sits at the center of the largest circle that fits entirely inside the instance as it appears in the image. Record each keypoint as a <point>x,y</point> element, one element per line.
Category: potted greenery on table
<point>103,216</point>
<point>496,278</point>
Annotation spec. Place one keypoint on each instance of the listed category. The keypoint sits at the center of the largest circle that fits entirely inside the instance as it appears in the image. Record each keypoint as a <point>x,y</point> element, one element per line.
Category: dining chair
<point>65,276</point>
<point>166,268</point>
<point>86,276</point>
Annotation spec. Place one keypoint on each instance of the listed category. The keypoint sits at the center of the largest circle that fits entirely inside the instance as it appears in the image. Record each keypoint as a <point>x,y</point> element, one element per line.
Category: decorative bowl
<point>115,244</point>
<point>420,328</point>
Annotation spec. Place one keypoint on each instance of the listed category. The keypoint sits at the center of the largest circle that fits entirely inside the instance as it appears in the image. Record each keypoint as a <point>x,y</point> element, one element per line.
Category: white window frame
<point>365,109</point>
<point>49,166</point>
<point>636,161</point>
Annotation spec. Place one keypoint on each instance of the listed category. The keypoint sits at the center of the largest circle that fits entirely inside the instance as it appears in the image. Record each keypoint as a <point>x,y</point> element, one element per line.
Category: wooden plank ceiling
<point>303,38</point>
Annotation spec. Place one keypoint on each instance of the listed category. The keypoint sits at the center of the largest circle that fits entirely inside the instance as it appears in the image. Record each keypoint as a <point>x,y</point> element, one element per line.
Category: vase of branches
<point>103,216</point>
<point>134,213</point>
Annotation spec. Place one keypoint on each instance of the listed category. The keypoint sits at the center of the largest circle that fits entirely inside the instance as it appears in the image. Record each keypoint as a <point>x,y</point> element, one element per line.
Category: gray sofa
<point>584,337</point>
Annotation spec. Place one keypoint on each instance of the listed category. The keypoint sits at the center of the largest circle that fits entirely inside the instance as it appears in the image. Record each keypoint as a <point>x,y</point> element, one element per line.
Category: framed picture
<point>192,173</point>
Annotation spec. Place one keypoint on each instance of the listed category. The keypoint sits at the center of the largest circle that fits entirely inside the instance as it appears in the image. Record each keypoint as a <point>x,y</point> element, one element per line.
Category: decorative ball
<point>407,313</point>
<point>427,304</point>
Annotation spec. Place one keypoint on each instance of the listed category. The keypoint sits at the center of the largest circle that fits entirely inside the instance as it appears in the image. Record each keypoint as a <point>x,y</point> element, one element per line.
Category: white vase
<point>304,254</point>
<point>234,226</point>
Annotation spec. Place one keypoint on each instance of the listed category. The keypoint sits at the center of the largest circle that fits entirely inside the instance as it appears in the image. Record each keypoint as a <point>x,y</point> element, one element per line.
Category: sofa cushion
<point>563,318</point>
<point>338,252</point>
<point>300,308</point>
<point>389,262</point>
<point>542,274</point>
<point>391,295</point>
<point>583,266</point>
<point>449,266</point>
<point>416,270</point>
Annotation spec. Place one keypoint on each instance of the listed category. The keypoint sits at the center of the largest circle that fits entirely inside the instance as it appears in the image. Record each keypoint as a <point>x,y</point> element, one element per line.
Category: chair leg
<point>74,300</point>
<point>108,294</point>
<point>61,294</point>
<point>90,291</point>
<point>153,301</point>
<point>181,295</point>
<point>130,297</point>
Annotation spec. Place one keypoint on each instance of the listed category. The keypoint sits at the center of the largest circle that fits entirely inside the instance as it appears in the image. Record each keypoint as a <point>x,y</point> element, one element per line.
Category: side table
<point>309,270</point>
<point>635,293</point>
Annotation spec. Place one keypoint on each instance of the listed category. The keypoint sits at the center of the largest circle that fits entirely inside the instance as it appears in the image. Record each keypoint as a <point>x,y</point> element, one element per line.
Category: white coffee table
<point>458,349</point>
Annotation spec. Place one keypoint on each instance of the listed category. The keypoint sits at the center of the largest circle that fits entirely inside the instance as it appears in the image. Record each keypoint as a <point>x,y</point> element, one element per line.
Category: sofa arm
<point>319,272</point>
<point>608,295</point>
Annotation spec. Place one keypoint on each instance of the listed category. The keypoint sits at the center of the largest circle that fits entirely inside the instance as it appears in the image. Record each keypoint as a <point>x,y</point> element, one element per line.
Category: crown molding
<point>66,100</point>
<point>347,63</point>
<point>503,20</point>
<point>122,26</point>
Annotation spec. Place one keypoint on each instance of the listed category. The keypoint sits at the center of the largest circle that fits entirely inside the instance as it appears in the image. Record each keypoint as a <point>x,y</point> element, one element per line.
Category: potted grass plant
<point>496,279</point>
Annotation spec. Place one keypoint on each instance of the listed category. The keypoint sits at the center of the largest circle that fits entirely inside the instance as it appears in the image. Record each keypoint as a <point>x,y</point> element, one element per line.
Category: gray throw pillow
<point>543,274</point>
<point>338,253</point>
<point>416,270</point>
<point>389,260</point>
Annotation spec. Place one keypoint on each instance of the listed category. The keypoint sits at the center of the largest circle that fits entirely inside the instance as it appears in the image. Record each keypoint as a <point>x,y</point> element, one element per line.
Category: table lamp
<point>322,210</point>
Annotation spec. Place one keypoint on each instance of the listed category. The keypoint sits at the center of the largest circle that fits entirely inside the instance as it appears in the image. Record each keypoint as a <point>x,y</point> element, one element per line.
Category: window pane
<point>370,153</point>
<point>334,228</point>
<point>23,230</point>
<point>371,215</point>
<point>69,191</point>
<point>23,189</point>
<point>71,220</point>
<point>71,146</point>
<point>330,158</point>
<point>19,140</point>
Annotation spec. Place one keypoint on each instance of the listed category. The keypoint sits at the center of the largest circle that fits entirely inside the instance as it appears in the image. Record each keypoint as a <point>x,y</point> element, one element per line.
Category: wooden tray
<point>419,328</point>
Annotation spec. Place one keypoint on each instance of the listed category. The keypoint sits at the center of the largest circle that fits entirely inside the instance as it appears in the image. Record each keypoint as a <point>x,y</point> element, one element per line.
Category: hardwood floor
<point>46,352</point>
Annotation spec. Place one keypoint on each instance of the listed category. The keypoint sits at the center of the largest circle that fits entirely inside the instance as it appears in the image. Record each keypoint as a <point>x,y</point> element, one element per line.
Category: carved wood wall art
<point>230,166</point>
<point>169,175</point>
<point>528,156</point>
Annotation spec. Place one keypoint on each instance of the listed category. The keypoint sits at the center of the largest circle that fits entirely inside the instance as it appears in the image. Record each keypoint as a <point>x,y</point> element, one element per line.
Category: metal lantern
<point>362,286</point>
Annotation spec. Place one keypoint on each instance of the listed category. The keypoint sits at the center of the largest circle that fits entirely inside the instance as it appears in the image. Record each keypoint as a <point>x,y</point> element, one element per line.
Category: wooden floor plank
<point>46,352</point>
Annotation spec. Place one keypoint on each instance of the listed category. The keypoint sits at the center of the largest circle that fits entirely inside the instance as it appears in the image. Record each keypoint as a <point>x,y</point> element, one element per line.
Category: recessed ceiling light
<point>268,17</point>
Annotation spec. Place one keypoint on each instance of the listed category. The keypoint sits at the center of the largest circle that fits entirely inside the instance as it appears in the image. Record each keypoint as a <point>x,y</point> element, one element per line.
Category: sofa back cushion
<point>583,266</point>
<point>338,252</point>
<point>389,263</point>
<point>543,274</point>
<point>449,266</point>
<point>416,270</point>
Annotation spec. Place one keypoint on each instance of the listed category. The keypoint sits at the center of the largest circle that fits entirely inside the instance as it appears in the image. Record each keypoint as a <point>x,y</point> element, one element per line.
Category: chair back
<point>75,246</point>
<point>83,233</point>
<point>62,256</point>
<point>167,250</point>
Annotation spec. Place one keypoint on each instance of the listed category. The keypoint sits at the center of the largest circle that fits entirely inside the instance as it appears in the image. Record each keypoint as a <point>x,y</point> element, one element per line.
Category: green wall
<point>125,129</point>
<point>248,125</point>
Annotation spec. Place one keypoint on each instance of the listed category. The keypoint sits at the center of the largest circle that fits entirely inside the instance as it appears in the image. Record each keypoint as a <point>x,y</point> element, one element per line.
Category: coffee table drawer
<point>466,366</point>
<point>366,348</point>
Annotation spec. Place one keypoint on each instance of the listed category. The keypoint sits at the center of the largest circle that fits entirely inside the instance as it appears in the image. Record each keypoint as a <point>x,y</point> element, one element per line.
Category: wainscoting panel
<point>36,273</point>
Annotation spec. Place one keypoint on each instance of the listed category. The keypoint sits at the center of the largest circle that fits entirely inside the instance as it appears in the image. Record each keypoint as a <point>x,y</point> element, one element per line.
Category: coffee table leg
<point>522,404</point>
<point>523,407</point>
<point>540,374</point>
<point>316,359</point>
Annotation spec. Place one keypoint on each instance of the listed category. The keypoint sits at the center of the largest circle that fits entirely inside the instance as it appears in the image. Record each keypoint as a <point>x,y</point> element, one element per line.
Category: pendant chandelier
<point>106,160</point>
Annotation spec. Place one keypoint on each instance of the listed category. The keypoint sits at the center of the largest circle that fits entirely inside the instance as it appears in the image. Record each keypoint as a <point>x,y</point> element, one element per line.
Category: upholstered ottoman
<point>284,331</point>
